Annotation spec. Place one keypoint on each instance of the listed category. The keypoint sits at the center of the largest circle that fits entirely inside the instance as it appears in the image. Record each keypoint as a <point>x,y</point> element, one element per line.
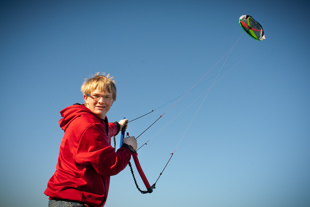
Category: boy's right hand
<point>132,142</point>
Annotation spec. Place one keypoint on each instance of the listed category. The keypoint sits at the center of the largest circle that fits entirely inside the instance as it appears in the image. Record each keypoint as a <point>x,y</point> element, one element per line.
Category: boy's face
<point>99,102</point>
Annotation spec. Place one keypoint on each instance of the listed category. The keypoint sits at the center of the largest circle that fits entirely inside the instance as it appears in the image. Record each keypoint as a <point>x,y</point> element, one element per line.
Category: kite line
<point>182,96</point>
<point>142,175</point>
<point>253,29</point>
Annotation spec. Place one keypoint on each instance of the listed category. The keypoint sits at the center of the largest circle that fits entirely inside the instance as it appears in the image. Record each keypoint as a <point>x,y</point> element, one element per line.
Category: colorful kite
<point>252,27</point>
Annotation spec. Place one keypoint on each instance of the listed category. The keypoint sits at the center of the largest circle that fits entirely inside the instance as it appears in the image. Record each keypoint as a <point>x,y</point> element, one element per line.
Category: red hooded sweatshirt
<point>86,158</point>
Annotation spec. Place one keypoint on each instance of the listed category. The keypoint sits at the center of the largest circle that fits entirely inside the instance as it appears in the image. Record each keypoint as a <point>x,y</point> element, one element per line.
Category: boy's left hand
<point>123,123</point>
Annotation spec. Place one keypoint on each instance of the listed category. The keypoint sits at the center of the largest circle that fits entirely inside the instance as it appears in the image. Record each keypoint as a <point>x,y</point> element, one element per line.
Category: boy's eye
<point>98,97</point>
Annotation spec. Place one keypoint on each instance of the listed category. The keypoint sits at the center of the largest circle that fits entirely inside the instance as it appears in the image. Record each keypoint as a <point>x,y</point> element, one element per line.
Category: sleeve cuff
<point>118,127</point>
<point>128,147</point>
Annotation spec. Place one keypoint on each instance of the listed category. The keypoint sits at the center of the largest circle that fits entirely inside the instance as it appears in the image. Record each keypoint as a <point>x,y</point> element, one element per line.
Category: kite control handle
<point>141,173</point>
<point>122,136</point>
<point>138,166</point>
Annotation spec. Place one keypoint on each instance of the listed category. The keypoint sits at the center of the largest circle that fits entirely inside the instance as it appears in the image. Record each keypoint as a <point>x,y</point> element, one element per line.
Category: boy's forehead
<point>98,91</point>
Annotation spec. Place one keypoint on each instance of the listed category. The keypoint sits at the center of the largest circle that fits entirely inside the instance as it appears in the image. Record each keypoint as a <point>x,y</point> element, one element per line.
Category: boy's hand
<point>123,123</point>
<point>131,142</point>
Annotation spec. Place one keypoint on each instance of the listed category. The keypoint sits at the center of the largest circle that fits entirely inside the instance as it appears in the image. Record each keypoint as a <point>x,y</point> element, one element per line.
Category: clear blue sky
<point>245,126</point>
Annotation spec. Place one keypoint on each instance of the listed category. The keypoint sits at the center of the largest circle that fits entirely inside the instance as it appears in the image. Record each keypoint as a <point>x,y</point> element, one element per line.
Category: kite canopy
<point>252,27</point>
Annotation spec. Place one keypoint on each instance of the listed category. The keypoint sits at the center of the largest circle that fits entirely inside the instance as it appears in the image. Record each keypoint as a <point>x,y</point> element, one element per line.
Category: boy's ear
<point>85,98</point>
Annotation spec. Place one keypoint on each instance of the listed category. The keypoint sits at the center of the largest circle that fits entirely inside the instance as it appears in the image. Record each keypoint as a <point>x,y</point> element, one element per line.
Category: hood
<point>70,113</point>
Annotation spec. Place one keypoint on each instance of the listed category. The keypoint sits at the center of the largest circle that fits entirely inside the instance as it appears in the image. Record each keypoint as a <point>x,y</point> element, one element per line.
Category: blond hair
<point>100,82</point>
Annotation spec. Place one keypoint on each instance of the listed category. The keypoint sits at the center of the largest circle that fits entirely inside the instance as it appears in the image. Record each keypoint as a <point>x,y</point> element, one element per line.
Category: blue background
<point>241,134</point>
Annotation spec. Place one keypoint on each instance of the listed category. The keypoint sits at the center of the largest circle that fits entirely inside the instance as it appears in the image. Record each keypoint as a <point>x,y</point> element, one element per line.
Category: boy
<point>86,158</point>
